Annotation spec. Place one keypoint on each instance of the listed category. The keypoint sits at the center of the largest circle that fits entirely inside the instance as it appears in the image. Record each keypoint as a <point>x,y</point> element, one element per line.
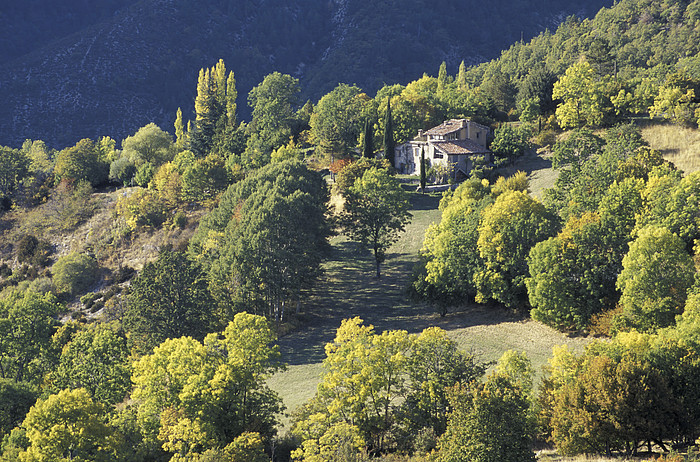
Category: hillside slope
<point>129,63</point>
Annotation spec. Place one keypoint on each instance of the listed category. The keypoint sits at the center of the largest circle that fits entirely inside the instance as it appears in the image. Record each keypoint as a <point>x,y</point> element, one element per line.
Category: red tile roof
<point>455,147</point>
<point>449,126</point>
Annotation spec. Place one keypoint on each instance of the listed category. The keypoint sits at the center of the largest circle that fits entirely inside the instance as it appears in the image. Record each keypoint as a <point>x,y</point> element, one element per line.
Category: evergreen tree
<point>389,142</point>
<point>367,146</point>
<point>422,170</point>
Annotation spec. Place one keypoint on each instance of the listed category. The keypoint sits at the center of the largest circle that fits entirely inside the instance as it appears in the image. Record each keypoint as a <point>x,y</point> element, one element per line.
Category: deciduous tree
<point>96,358</point>
<point>192,396</point>
<point>582,96</point>
<point>273,102</point>
<point>488,424</point>
<point>508,229</point>
<point>69,426</point>
<point>376,211</point>
<point>169,298</point>
<point>657,273</point>
<point>337,118</point>
<point>84,161</point>
<point>27,322</point>
<point>572,275</point>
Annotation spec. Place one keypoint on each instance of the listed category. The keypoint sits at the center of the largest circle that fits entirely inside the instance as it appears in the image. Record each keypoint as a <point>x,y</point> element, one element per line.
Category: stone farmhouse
<point>453,143</point>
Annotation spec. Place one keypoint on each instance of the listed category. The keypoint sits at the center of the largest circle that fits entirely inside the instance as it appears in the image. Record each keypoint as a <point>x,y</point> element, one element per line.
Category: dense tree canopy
<point>69,426</point>
<point>82,162</point>
<point>263,243</point>
<point>27,323</point>
<point>382,389</point>
<point>273,102</point>
<point>508,229</point>
<point>656,275</point>
<point>192,396</point>
<point>96,358</point>
<point>336,122</point>
<point>169,298</point>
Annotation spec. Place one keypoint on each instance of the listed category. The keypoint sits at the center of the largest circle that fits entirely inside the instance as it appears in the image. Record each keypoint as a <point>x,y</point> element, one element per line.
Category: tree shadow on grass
<point>425,201</point>
<point>349,287</point>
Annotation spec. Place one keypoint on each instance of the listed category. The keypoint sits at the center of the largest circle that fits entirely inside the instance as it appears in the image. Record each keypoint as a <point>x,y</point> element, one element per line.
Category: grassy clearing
<point>677,144</point>
<point>538,166</point>
<point>348,288</point>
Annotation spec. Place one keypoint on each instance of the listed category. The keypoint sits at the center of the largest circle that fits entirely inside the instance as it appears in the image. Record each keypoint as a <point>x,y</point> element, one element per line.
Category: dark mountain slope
<point>633,38</point>
<point>138,63</point>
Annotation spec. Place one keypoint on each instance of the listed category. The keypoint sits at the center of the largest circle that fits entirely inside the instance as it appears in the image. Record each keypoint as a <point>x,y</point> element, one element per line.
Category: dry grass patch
<point>679,145</point>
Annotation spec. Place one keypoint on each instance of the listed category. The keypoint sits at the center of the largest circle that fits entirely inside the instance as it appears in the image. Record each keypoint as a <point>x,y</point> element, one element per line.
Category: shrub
<point>180,220</point>
<point>123,274</point>
<point>141,208</point>
<point>122,170</point>
<point>75,273</point>
<point>546,137</point>
<point>33,251</point>
<point>144,174</point>
<point>89,299</point>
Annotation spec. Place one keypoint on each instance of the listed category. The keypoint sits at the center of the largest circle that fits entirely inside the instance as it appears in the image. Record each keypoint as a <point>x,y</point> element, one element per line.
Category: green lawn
<point>348,288</point>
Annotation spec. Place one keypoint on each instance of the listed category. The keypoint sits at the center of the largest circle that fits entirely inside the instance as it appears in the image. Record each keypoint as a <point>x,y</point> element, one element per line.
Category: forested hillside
<point>72,71</point>
<point>144,281</point>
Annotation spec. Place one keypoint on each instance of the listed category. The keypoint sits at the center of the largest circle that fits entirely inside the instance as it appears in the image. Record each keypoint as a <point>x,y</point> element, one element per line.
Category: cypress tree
<point>422,170</point>
<point>367,147</point>
<point>389,143</point>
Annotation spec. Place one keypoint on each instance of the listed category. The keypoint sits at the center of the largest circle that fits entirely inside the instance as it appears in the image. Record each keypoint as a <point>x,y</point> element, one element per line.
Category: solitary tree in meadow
<point>376,211</point>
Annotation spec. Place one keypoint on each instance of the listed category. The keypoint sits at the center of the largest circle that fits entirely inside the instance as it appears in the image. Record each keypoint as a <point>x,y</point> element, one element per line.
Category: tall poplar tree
<point>218,76</point>
<point>389,142</point>
<point>442,78</point>
<point>205,120</point>
<point>215,107</point>
<point>462,77</point>
<point>231,95</point>
<point>179,130</point>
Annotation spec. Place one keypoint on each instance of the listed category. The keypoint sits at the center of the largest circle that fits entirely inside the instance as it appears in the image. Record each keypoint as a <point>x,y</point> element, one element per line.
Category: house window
<point>437,156</point>
<point>477,135</point>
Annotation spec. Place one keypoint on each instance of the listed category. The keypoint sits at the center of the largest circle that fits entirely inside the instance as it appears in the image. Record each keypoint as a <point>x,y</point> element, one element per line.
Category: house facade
<point>453,144</point>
